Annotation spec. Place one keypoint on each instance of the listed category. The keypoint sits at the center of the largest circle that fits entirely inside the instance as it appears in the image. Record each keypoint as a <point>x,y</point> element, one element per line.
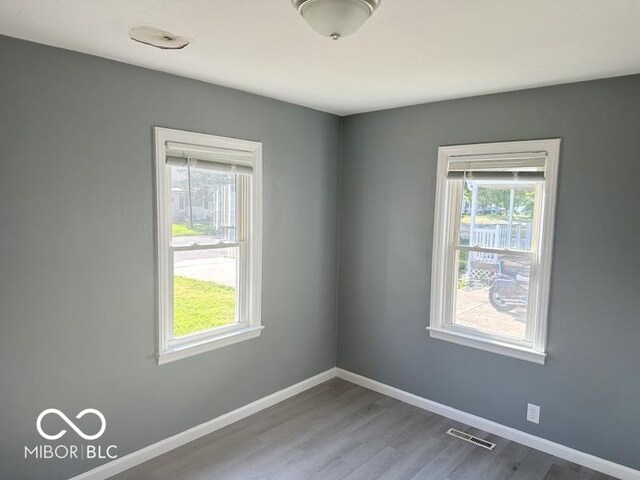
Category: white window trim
<point>444,220</point>
<point>169,349</point>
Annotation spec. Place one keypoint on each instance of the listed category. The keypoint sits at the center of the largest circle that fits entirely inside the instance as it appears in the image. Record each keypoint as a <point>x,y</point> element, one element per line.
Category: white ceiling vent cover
<point>471,439</point>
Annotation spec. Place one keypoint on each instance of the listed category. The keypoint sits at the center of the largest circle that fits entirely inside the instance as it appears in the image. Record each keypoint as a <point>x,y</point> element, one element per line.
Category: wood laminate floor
<point>338,430</point>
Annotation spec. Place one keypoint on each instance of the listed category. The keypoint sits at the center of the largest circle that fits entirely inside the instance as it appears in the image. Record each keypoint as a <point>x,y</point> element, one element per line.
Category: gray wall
<point>77,302</point>
<point>590,389</point>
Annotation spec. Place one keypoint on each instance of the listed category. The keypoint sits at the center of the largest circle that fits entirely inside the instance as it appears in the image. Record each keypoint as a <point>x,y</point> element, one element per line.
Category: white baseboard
<point>147,453</point>
<point>552,448</point>
<point>114,467</point>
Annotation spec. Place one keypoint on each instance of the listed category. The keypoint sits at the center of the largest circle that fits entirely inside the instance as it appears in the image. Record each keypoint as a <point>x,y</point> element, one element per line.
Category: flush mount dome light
<point>335,18</point>
<point>157,38</point>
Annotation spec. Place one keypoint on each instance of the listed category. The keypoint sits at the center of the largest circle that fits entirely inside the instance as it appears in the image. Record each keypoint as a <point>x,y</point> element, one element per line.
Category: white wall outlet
<point>533,413</point>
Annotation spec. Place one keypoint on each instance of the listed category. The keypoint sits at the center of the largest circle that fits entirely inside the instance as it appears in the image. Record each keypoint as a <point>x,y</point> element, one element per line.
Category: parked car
<point>494,209</point>
<point>491,210</point>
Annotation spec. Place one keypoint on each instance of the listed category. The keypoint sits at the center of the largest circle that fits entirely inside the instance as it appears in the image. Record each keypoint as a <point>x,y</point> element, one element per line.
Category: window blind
<point>209,158</point>
<point>526,166</point>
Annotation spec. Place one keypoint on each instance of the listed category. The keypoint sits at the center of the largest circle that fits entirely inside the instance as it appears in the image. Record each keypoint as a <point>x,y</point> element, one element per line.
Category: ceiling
<point>410,51</point>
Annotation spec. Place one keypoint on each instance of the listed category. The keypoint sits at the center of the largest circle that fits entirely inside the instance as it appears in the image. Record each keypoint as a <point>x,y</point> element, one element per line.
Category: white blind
<point>210,158</point>
<point>526,166</point>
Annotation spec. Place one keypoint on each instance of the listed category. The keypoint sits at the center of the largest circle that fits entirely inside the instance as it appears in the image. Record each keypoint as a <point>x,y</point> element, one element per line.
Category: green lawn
<point>493,219</point>
<point>200,305</point>
<point>178,230</point>
<point>182,230</point>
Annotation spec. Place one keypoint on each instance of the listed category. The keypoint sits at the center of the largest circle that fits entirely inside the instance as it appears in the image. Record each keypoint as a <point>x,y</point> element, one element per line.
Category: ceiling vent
<point>471,439</point>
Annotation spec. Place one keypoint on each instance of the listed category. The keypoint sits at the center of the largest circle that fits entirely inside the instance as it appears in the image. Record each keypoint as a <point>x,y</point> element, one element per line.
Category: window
<point>208,203</point>
<point>493,236</point>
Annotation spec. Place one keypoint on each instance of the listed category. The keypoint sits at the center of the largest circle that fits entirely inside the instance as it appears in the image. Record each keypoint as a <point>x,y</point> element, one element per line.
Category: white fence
<point>516,236</point>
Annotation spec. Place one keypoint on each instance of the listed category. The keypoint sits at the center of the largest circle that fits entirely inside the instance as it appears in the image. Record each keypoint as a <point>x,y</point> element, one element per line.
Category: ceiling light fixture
<point>158,38</point>
<point>335,18</point>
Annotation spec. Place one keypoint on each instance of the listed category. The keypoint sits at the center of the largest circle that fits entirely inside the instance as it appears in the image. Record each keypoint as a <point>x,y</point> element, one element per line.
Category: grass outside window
<point>200,305</point>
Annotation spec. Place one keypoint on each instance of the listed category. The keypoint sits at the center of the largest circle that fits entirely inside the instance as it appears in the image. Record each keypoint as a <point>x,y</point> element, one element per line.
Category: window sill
<point>201,346</point>
<point>489,345</point>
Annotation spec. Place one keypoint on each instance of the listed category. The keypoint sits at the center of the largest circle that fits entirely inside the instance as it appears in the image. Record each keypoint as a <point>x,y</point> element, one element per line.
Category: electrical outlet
<point>533,413</point>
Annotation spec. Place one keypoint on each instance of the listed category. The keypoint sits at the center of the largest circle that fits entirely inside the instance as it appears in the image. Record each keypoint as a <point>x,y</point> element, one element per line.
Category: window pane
<point>492,293</point>
<point>502,214</point>
<point>209,214</point>
<point>204,290</point>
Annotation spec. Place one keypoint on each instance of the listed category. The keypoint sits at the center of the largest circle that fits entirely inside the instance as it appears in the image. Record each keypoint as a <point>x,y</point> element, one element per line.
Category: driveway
<point>474,310</point>
<point>219,266</point>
